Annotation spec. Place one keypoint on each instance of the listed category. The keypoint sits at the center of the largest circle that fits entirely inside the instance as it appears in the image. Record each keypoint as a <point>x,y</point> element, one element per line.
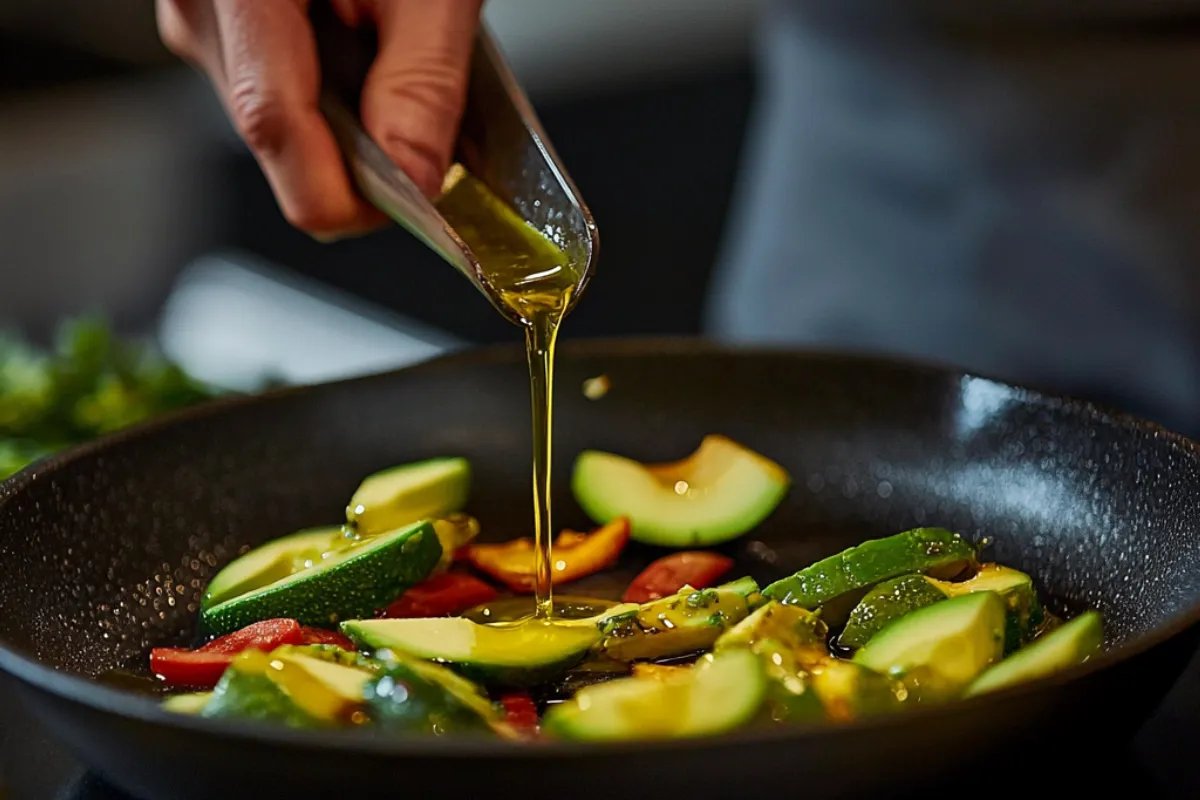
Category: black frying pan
<point>106,551</point>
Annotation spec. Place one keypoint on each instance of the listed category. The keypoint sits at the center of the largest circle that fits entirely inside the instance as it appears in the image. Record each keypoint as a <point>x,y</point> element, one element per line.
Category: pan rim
<point>131,706</point>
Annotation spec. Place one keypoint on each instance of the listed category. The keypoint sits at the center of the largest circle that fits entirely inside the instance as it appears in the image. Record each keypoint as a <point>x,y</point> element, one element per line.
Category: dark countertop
<point>1160,763</point>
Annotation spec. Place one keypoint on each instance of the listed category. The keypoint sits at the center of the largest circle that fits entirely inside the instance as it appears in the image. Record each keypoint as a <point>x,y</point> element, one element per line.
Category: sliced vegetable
<point>648,669</point>
<point>666,576</point>
<point>899,596</point>
<point>717,695</point>
<point>682,623</point>
<point>463,690</point>
<point>794,627</point>
<point>440,596</point>
<point>331,653</point>
<point>310,635</point>
<point>399,496</point>
<point>566,606</point>
<point>719,492</point>
<point>850,691</point>
<point>354,581</point>
<point>343,682</point>
<point>791,695</point>
<point>202,668</point>
<point>455,532</point>
<point>187,703</point>
<point>412,696</point>
<point>888,601</point>
<point>521,713</point>
<point>295,691</point>
<point>1025,612</point>
<point>576,555</point>
<point>246,691</point>
<point>271,562</point>
<point>265,635</point>
<point>502,654</point>
<point>938,650</point>
<point>789,642</point>
<point>191,668</point>
<point>1072,643</point>
<point>929,551</point>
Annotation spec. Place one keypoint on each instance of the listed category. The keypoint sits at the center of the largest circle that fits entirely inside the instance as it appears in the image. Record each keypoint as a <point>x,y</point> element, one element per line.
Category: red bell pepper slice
<point>191,668</point>
<point>521,713</point>
<point>202,668</point>
<point>442,595</point>
<point>265,635</point>
<point>322,636</point>
<point>575,556</point>
<point>666,576</point>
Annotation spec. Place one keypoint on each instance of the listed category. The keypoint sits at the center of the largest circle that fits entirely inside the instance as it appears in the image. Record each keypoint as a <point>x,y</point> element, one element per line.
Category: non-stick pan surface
<point>107,549</point>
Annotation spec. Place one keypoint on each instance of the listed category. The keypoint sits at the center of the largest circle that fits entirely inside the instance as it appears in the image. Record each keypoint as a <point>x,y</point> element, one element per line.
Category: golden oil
<point>535,280</point>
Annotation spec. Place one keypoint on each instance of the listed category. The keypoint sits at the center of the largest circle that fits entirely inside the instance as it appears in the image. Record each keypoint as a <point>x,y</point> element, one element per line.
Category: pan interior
<point>107,551</point>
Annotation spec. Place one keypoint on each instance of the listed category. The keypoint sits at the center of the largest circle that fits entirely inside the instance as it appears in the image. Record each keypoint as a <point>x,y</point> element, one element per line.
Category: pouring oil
<point>535,280</point>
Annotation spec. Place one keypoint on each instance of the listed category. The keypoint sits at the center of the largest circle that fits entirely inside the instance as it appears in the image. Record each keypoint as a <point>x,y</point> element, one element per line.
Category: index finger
<point>271,87</point>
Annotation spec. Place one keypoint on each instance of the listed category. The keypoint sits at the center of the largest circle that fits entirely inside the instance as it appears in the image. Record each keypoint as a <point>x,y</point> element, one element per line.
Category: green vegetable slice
<point>719,694</point>
<point>500,654</point>
<point>941,648</point>
<point>929,551</point>
<point>350,582</point>
<point>1072,643</point>
<point>400,495</point>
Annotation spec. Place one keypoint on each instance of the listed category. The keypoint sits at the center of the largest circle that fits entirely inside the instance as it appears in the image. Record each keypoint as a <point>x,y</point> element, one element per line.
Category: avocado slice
<point>719,492</point>
<point>792,626</point>
<point>331,653</point>
<point>789,642</point>
<point>682,623</point>
<point>354,580</point>
<point>464,705</point>
<point>850,691</point>
<point>791,690</point>
<point>899,596</point>
<point>294,690</point>
<point>192,703</point>
<point>454,531</point>
<point>344,682</point>
<point>888,601</point>
<point>930,551</point>
<point>1025,611</point>
<point>938,650</point>
<point>496,654</point>
<point>648,669</point>
<point>413,696</point>
<point>400,495</point>
<point>718,694</point>
<point>254,696</point>
<point>271,562</point>
<point>1070,644</point>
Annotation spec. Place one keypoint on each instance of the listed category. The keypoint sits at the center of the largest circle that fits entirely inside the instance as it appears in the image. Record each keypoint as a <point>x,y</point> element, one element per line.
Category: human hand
<point>261,57</point>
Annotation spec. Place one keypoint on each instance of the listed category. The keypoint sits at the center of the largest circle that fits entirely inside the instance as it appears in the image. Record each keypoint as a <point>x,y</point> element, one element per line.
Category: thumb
<point>414,94</point>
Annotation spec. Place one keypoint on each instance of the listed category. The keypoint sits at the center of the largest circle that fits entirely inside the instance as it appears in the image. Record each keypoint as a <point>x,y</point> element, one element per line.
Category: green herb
<point>702,599</point>
<point>88,384</point>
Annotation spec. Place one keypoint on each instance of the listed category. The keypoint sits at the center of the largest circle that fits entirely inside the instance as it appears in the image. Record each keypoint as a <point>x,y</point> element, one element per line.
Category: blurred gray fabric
<point>1020,205</point>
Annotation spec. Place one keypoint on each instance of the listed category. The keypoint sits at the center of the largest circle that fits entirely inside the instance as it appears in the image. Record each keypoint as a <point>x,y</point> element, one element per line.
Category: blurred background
<point>123,189</point>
